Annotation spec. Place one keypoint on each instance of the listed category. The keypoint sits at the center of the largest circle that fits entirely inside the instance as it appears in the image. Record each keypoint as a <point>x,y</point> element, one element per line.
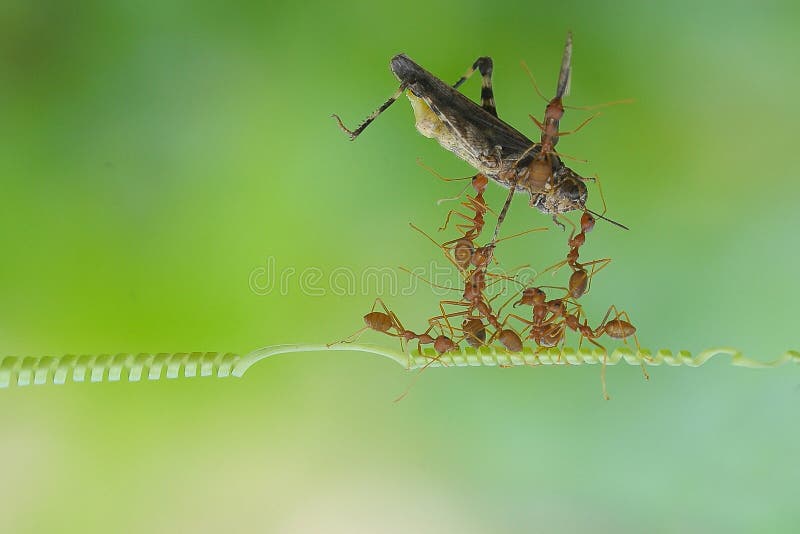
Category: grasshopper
<point>478,136</point>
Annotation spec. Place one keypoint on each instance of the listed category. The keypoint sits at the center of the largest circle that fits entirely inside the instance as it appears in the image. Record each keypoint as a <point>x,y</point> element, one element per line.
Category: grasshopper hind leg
<point>485,66</point>
<point>372,116</point>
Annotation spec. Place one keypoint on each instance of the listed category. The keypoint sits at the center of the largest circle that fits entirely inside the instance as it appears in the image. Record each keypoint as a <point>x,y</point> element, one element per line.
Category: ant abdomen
<point>378,321</point>
<point>619,329</point>
<point>578,283</point>
<point>510,340</point>
<point>474,331</point>
<point>443,344</point>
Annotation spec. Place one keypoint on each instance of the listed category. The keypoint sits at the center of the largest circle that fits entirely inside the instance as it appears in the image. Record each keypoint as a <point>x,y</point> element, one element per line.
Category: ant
<point>475,300</point>
<point>580,279</point>
<point>545,163</point>
<point>475,204</point>
<point>554,188</point>
<point>545,170</point>
<point>385,321</point>
<point>464,254</point>
<point>545,328</point>
<point>620,327</point>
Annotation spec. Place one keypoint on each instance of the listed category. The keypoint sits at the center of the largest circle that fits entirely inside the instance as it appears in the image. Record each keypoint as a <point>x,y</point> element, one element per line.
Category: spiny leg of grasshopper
<point>484,66</point>
<point>372,116</point>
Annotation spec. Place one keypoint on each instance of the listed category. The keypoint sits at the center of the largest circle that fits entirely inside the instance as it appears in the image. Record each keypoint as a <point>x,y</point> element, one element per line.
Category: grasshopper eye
<point>574,191</point>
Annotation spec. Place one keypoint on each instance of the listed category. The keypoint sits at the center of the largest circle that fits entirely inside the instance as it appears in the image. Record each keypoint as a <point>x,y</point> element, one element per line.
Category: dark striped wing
<point>476,128</point>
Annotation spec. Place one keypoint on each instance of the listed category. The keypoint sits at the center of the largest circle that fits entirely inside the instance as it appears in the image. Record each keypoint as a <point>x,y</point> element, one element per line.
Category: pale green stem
<point>136,367</point>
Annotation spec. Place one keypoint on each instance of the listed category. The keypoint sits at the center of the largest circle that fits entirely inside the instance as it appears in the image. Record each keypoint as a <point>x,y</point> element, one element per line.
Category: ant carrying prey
<point>478,136</point>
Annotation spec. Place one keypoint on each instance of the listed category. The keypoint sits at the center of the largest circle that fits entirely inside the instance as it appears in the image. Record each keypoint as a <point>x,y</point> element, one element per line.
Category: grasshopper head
<point>567,192</point>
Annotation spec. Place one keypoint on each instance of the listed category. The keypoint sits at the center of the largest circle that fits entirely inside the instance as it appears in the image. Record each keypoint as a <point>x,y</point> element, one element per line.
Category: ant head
<point>587,222</point>
<point>483,255</point>
<point>531,296</point>
<point>479,183</point>
<point>463,251</point>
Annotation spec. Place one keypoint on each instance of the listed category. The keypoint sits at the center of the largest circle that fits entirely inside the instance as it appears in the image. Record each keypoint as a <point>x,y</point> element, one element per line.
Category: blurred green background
<point>156,155</point>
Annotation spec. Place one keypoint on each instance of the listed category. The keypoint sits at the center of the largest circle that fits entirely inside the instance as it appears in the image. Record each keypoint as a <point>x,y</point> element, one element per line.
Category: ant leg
<point>454,212</point>
<point>445,179</point>
<point>605,317</point>
<point>423,279</point>
<point>432,359</point>
<point>352,338</point>
<point>538,124</point>
<point>596,180</point>
<point>485,66</point>
<point>446,316</point>
<point>563,76</point>
<point>573,158</point>
<point>438,175</point>
<point>523,320</point>
<point>417,375</point>
<point>539,229</point>
<point>555,268</point>
<point>514,296</point>
<point>603,105</point>
<point>584,123</point>
<point>444,250</point>
<point>624,315</point>
<point>498,278</point>
<point>395,320</point>
<point>604,262</point>
<point>372,116</point>
<point>527,322</point>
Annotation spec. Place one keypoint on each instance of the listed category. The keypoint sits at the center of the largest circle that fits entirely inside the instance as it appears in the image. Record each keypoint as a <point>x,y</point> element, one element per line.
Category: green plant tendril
<point>136,367</point>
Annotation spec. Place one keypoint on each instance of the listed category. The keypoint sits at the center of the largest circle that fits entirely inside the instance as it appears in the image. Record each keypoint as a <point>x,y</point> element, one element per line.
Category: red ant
<point>545,160</point>
<point>580,279</point>
<point>475,300</point>
<point>620,327</point>
<point>464,254</point>
<point>475,204</point>
<point>386,321</point>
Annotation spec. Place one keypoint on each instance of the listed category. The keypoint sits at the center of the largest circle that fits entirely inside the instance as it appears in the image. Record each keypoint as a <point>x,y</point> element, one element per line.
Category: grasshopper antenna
<point>615,223</point>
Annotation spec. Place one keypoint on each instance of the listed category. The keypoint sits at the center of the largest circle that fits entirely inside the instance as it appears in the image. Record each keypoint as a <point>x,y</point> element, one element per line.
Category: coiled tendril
<point>136,367</point>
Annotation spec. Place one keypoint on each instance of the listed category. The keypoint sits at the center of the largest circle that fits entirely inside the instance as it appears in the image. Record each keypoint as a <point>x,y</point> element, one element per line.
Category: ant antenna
<point>533,81</point>
<point>615,223</point>
<point>450,199</point>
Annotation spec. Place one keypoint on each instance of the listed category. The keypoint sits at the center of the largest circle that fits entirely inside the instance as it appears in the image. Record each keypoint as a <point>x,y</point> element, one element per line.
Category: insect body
<point>478,136</point>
